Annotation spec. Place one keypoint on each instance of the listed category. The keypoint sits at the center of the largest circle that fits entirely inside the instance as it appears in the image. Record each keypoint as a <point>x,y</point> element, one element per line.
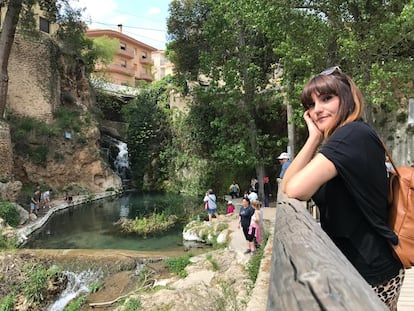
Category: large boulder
<point>203,232</point>
<point>10,191</point>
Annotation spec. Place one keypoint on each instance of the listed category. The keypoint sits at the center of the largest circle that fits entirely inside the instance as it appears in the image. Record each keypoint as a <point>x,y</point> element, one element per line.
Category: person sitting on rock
<point>230,208</point>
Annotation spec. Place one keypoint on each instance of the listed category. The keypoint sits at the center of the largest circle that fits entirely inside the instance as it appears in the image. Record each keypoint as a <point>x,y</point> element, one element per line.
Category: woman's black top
<point>246,215</point>
<point>353,205</point>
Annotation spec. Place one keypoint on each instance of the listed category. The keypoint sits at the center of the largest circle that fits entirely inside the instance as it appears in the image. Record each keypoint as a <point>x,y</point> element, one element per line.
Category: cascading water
<point>78,284</point>
<point>121,162</point>
<point>117,154</point>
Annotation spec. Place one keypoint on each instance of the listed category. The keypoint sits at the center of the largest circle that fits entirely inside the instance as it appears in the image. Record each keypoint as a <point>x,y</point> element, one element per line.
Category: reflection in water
<point>90,226</point>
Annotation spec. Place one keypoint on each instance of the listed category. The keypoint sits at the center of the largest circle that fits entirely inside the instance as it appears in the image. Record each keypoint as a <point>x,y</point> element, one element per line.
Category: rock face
<point>10,191</point>
<point>54,81</point>
<point>80,165</point>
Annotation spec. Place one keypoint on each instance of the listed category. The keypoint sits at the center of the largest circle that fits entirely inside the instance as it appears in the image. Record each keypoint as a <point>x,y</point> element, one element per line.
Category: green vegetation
<point>7,302</point>
<point>36,281</point>
<point>178,264</point>
<point>227,301</point>
<point>154,224</point>
<point>9,213</point>
<point>148,135</point>
<point>95,287</point>
<point>76,304</point>
<point>7,243</point>
<point>253,265</point>
<point>213,262</point>
<point>132,304</point>
<point>32,137</point>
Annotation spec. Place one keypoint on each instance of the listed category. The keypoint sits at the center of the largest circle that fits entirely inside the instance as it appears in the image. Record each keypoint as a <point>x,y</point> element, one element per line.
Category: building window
<point>123,63</point>
<point>44,25</point>
<point>123,46</point>
<point>144,55</point>
<point>411,112</point>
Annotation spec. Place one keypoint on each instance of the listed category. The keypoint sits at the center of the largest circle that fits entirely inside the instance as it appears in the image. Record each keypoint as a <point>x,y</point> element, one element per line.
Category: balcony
<point>146,61</point>
<point>143,76</point>
<point>128,53</point>
<point>121,69</point>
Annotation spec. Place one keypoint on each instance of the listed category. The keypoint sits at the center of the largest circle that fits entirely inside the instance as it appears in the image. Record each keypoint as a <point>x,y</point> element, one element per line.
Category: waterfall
<point>78,284</point>
<point>117,153</point>
<point>121,162</point>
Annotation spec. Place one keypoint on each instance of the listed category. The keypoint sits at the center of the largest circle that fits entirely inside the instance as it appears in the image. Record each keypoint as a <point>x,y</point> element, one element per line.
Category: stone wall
<point>398,136</point>
<point>33,86</point>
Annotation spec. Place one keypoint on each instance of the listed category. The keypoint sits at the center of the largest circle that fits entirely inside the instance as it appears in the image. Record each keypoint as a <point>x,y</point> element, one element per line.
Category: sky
<point>143,20</point>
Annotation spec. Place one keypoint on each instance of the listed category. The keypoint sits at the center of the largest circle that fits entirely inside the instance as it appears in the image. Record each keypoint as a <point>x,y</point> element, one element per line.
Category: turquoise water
<point>90,226</point>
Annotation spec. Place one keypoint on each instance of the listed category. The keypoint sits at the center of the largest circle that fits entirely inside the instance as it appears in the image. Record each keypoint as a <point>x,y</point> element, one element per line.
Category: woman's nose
<point>317,106</point>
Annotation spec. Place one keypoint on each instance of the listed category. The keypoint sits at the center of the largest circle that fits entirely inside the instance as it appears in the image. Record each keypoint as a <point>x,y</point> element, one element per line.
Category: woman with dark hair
<point>341,167</point>
<point>245,216</point>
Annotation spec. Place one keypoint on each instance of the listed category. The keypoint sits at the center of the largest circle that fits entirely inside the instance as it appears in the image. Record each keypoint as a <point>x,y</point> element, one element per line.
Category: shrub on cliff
<point>9,213</point>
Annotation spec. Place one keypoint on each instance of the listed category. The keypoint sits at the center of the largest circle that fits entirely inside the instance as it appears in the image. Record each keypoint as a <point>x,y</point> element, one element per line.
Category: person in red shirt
<point>230,208</point>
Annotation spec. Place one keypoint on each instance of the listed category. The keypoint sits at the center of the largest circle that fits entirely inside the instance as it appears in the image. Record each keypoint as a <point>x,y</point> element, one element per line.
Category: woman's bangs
<point>318,85</point>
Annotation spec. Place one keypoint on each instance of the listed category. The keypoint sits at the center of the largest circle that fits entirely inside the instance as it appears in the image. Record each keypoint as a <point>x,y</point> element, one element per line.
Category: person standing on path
<point>267,191</point>
<point>245,216</point>
<point>46,198</point>
<point>211,205</point>
<point>284,160</point>
<point>34,202</point>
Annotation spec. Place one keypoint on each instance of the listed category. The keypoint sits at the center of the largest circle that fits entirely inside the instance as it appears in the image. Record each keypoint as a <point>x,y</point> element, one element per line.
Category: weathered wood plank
<point>309,272</point>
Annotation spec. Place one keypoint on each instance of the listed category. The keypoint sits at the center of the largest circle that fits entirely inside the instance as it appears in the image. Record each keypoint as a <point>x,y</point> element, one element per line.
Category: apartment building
<point>132,63</point>
<point>162,66</point>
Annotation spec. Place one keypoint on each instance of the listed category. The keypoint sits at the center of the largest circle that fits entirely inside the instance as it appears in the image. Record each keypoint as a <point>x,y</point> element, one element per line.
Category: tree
<point>236,60</point>
<point>6,42</point>
<point>148,134</point>
<point>370,40</point>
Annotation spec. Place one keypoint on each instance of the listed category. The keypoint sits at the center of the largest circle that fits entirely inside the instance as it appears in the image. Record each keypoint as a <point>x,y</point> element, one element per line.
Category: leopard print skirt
<point>390,291</point>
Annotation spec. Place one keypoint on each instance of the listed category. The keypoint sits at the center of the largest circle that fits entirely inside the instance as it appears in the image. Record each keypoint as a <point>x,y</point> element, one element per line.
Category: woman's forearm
<point>304,156</point>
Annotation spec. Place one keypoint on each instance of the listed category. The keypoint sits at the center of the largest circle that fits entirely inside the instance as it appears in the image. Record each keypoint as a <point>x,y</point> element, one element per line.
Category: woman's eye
<point>327,98</point>
<point>311,105</point>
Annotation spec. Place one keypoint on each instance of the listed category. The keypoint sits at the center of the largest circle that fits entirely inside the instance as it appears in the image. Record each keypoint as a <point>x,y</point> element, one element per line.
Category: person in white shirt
<point>46,198</point>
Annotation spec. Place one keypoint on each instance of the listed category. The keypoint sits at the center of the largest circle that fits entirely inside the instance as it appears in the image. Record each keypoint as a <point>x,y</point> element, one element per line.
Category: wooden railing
<point>308,272</point>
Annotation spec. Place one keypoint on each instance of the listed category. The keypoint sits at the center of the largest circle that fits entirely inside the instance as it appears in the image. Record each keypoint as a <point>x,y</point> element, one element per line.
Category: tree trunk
<point>6,42</point>
<point>291,129</point>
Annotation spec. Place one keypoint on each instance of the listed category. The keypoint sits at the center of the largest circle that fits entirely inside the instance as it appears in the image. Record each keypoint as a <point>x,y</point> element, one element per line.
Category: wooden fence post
<point>309,272</point>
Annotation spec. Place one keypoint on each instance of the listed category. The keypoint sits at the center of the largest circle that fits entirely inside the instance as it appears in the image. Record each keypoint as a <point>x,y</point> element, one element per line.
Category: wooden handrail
<point>308,271</point>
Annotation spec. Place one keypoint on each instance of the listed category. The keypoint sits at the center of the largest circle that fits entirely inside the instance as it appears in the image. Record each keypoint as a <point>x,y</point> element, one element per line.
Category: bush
<point>154,224</point>
<point>178,264</point>
<point>36,284</point>
<point>133,305</point>
<point>7,303</point>
<point>9,213</point>
<point>7,243</point>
